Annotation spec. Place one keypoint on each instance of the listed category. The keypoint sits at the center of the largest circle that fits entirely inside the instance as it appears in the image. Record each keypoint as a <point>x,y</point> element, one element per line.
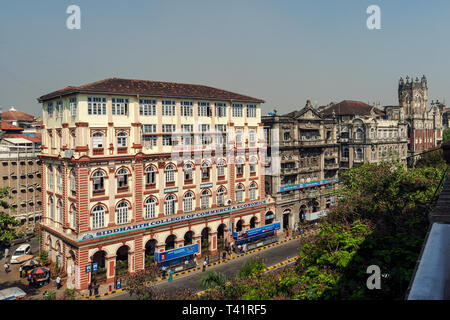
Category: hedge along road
<point>271,256</point>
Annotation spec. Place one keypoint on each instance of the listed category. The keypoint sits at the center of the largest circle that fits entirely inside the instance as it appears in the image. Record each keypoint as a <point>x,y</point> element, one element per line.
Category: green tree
<point>446,134</point>
<point>251,267</point>
<point>43,257</point>
<point>7,222</point>
<point>50,295</point>
<point>212,280</point>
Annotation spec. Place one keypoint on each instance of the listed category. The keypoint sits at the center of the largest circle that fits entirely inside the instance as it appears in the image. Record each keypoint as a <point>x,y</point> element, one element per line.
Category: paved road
<point>271,255</point>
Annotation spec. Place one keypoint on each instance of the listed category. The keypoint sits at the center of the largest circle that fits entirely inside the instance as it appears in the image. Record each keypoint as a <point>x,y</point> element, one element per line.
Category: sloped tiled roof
<point>14,114</point>
<point>152,88</point>
<point>350,107</point>
<point>7,126</point>
<point>24,136</point>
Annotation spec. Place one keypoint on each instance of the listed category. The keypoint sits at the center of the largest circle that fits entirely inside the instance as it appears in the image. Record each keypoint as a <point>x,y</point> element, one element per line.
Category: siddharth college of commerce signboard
<point>164,221</point>
<point>308,184</point>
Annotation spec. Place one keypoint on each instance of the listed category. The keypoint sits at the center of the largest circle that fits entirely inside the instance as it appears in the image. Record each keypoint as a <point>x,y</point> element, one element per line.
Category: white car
<point>20,251</point>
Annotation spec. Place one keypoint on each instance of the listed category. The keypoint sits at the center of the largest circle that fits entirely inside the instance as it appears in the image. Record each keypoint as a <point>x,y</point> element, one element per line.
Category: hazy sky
<point>284,52</point>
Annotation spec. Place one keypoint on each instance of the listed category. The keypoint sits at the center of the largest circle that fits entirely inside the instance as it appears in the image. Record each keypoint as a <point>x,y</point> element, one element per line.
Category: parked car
<point>20,251</point>
<point>13,293</point>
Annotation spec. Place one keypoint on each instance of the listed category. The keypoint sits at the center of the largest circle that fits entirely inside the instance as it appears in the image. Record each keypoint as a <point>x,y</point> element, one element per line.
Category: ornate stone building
<point>364,135</point>
<point>301,164</point>
<point>424,124</point>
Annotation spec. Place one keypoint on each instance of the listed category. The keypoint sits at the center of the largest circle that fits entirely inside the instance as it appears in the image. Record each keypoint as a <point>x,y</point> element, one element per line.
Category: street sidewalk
<point>103,289</point>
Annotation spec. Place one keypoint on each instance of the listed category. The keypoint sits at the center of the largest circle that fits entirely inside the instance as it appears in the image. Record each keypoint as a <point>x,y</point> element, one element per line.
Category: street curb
<point>233,257</point>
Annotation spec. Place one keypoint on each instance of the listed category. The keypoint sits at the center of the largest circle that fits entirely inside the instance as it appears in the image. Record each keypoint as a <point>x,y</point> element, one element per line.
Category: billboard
<point>256,231</point>
<point>176,253</point>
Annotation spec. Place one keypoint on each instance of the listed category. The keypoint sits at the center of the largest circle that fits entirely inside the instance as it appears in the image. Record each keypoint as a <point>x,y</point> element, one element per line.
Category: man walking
<point>6,267</point>
<point>20,271</point>
<point>204,266</point>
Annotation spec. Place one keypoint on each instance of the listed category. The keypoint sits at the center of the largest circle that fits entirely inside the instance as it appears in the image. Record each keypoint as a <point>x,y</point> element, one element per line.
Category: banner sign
<point>88,268</point>
<point>256,231</point>
<point>308,184</point>
<point>165,221</point>
<point>206,185</point>
<point>176,253</point>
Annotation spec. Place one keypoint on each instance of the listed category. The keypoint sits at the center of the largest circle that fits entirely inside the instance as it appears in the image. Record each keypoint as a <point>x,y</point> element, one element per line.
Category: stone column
<point>110,263</point>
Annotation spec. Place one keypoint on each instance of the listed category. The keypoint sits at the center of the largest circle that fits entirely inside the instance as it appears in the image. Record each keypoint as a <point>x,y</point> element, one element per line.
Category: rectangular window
<point>167,140</point>
<point>96,106</point>
<point>251,110</point>
<point>168,108</point>
<point>149,128</point>
<point>168,128</point>
<point>73,106</point>
<point>186,108</point>
<point>50,109</point>
<point>187,128</point>
<point>147,107</point>
<point>59,109</point>
<point>149,141</point>
<point>237,110</point>
<point>203,109</point>
<point>221,127</point>
<point>120,106</point>
<point>203,127</point>
<point>221,109</point>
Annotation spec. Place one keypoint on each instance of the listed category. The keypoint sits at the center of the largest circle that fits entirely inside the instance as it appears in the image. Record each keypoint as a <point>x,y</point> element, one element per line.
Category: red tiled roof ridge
<point>7,126</point>
<point>151,87</point>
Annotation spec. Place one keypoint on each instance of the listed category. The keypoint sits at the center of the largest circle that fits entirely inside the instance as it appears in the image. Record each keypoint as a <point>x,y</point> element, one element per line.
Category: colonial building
<point>134,167</point>
<point>364,135</point>
<point>20,167</point>
<point>424,124</point>
<point>301,164</point>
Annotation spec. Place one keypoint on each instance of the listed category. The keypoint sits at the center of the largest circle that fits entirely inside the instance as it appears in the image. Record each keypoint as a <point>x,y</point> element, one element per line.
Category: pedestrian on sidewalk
<point>6,253</point>
<point>20,271</point>
<point>58,282</point>
<point>224,255</point>
<point>163,272</point>
<point>170,275</point>
<point>90,289</point>
<point>29,279</point>
<point>204,266</point>
<point>6,266</point>
<point>207,260</point>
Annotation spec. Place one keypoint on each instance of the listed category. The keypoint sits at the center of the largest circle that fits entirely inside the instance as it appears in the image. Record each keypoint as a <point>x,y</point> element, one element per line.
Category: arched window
<point>187,202</point>
<point>205,199</point>
<point>150,208</point>
<point>98,180</point>
<point>221,197</point>
<point>240,193</point>
<point>359,154</point>
<point>122,212</point>
<point>98,217</point>
<point>122,139</point>
<point>188,171</point>
<point>221,168</point>
<point>345,153</point>
<point>169,205</point>
<point>59,180</point>
<point>60,211</point>
<point>122,178</point>
<point>73,186</point>
<point>205,170</point>
<point>50,177</point>
<point>170,173</point>
<point>150,175</point>
<point>97,140</point>
<point>253,191</point>
<point>73,213</point>
<point>52,208</point>
<point>359,134</point>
